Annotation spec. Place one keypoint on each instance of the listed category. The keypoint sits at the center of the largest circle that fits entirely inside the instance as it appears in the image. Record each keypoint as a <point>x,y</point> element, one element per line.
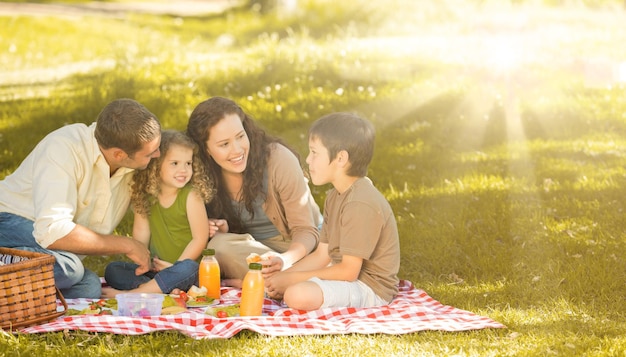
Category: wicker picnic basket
<point>27,291</point>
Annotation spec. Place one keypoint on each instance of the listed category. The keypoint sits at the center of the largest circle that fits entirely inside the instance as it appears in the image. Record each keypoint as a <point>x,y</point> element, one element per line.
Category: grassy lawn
<point>501,145</point>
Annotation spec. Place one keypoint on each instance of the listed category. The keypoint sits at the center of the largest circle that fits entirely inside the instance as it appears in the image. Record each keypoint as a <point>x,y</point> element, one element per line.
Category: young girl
<point>168,200</point>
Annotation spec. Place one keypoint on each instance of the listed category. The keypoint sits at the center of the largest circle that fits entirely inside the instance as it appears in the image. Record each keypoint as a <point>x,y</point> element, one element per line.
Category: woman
<point>261,192</point>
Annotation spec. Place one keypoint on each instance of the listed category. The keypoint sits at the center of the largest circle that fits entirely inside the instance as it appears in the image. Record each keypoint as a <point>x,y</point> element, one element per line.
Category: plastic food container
<point>139,304</point>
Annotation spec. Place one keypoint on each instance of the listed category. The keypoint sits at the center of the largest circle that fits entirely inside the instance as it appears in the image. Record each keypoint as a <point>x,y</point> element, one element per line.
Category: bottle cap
<point>208,251</point>
<point>255,266</point>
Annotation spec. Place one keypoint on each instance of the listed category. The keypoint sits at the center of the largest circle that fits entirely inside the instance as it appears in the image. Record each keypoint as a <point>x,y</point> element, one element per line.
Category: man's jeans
<point>70,275</point>
<point>182,275</point>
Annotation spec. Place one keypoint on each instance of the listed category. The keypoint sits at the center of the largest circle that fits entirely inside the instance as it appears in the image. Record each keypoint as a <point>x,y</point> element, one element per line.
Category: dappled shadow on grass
<point>564,244</point>
<point>446,136</point>
<point>499,222</point>
<point>31,120</point>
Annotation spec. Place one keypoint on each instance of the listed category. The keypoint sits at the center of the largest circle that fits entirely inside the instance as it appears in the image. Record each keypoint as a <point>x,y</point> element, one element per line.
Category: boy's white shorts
<point>339,293</point>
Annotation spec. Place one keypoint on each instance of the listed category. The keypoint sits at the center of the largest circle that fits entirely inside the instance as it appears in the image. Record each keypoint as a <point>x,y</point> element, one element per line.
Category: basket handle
<point>60,296</point>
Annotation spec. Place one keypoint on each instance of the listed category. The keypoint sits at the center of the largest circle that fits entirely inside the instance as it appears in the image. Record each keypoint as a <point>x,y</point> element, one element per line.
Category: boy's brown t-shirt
<point>361,223</point>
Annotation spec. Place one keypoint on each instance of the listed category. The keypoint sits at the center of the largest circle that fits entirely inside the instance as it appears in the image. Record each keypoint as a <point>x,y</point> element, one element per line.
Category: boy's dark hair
<point>126,124</point>
<point>349,132</point>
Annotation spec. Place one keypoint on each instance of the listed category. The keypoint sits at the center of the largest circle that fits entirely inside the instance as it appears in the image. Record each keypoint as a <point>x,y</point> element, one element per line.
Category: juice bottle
<point>209,273</point>
<point>252,291</point>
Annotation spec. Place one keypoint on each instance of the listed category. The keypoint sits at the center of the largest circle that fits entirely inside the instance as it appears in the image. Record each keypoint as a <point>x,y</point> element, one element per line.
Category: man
<point>73,189</point>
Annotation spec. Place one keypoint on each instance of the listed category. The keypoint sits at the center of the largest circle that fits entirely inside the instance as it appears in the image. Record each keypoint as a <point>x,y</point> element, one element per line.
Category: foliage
<point>505,172</point>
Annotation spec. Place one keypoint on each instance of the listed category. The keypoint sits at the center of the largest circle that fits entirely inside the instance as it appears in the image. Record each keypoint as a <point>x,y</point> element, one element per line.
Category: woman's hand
<point>217,225</point>
<point>140,255</point>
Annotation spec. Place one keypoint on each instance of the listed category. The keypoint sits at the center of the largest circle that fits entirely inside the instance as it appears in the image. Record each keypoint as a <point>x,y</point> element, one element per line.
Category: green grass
<point>500,144</point>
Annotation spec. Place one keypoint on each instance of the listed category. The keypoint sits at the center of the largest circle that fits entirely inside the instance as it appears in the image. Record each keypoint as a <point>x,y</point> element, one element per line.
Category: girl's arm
<point>199,224</point>
<point>141,229</point>
<point>141,233</point>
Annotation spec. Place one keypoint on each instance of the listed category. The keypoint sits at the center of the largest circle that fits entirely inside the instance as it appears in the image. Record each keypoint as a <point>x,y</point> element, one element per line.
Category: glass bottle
<point>252,291</point>
<point>209,273</point>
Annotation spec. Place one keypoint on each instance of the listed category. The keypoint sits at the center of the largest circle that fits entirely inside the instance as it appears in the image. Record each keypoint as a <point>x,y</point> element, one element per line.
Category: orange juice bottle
<point>252,292</point>
<point>209,273</point>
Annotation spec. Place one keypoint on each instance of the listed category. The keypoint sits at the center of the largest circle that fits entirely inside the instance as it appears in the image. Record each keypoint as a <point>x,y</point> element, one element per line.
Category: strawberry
<point>221,314</point>
<point>183,295</point>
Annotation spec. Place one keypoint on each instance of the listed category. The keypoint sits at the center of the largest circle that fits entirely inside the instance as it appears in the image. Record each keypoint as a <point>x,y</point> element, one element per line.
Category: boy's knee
<point>290,297</point>
<point>304,296</point>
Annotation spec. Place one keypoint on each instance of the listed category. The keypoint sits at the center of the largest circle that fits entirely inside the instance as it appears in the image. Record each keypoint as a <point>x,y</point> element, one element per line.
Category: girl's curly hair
<point>146,184</point>
<point>206,115</point>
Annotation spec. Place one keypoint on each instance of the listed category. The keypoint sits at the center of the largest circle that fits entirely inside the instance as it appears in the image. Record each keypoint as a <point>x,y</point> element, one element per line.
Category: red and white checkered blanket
<point>411,311</point>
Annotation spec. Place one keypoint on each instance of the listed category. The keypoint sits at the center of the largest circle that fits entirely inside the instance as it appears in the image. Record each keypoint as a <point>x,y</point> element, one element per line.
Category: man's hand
<point>140,255</point>
<point>82,240</point>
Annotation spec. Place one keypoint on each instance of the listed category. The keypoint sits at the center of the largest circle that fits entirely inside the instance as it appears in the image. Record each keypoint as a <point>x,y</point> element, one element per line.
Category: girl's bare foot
<point>235,283</point>
<point>109,292</point>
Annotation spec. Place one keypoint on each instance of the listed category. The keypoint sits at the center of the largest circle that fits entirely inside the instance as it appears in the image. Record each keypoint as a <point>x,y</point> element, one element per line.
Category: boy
<point>358,257</point>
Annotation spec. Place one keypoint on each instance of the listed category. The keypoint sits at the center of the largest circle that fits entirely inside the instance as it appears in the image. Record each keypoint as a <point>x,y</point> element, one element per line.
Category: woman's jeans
<point>182,275</point>
<point>70,276</point>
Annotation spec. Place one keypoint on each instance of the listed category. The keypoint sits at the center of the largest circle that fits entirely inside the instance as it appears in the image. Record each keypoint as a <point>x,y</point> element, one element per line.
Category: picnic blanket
<point>412,310</point>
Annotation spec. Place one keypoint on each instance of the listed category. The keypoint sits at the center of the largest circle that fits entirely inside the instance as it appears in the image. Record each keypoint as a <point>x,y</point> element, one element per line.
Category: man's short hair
<point>349,132</point>
<point>126,124</point>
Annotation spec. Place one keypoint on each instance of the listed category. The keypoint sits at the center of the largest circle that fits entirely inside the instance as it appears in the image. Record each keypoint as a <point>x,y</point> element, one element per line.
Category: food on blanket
<point>172,310</point>
<point>99,308</point>
<point>223,311</point>
<point>74,312</point>
<point>169,300</point>
<point>221,314</point>
<point>180,301</point>
<point>183,296</point>
<point>198,297</point>
<point>97,311</point>
<point>200,301</point>
<point>253,258</point>
<point>196,291</point>
<point>140,304</point>
<point>104,303</point>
